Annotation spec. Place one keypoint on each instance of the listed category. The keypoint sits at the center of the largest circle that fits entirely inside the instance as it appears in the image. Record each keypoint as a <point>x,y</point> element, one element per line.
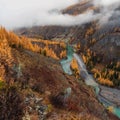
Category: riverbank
<point>109,97</point>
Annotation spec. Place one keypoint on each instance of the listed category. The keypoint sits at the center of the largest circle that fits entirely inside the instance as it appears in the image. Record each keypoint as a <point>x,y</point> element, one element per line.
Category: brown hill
<point>81,7</point>
<point>35,86</point>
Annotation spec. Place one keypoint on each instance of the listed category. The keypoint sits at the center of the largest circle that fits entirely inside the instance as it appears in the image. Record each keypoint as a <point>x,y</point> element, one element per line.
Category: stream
<point>100,91</point>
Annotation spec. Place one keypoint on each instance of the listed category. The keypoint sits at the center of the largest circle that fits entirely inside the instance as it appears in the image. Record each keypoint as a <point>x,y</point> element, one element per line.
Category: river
<point>107,96</point>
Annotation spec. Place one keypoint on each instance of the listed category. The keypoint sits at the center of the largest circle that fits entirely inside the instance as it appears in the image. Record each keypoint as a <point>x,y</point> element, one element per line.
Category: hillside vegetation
<point>98,44</point>
<point>33,86</point>
<point>52,49</point>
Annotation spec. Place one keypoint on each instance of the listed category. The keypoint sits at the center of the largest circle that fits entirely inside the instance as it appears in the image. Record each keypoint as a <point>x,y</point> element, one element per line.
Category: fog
<point>27,13</point>
<point>106,2</point>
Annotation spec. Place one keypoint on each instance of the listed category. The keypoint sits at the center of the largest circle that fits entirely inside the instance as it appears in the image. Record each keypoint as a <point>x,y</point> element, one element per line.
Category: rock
<point>27,100</point>
<point>43,108</point>
<point>38,100</point>
<point>37,107</point>
<point>67,92</point>
<point>30,109</point>
<point>26,117</point>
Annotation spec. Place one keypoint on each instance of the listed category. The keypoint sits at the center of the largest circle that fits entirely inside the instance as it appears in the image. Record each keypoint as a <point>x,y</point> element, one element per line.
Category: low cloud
<point>106,2</point>
<point>108,10</point>
<point>27,13</point>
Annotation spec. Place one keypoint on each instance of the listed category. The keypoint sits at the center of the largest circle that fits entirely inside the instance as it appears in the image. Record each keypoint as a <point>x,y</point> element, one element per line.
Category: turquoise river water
<point>66,67</point>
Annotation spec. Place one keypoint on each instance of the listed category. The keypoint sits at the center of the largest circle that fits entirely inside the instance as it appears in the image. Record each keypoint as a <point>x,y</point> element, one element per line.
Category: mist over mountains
<point>51,53</point>
<point>15,14</point>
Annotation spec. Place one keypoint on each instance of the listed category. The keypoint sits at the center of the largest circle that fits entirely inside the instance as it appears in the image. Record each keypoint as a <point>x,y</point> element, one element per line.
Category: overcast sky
<point>23,13</point>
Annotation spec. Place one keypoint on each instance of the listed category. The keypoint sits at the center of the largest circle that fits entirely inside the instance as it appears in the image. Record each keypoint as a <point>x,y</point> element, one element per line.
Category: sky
<point>27,13</point>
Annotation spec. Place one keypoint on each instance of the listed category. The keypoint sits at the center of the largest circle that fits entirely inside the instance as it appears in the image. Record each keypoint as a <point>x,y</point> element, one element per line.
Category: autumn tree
<point>74,66</point>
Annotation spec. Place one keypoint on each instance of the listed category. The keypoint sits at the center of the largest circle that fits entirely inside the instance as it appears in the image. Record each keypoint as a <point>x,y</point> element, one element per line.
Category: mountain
<point>90,35</point>
<point>99,43</point>
<point>41,74</point>
<point>34,86</point>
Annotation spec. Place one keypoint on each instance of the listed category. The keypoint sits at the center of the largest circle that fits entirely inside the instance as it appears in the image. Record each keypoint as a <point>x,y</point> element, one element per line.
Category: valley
<point>63,63</point>
<point>109,97</point>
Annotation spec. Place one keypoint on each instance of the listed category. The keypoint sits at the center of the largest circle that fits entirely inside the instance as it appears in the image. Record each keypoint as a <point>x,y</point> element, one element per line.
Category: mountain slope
<point>38,81</point>
<point>99,42</point>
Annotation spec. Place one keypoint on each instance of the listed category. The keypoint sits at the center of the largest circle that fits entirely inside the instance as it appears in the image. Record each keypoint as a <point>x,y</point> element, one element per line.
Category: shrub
<point>11,104</point>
